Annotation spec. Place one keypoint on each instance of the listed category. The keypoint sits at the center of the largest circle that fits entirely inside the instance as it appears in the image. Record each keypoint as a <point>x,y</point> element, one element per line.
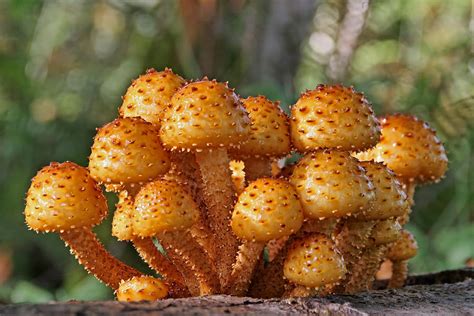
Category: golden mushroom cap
<point>204,114</point>
<point>128,151</point>
<point>267,209</point>
<point>410,148</point>
<point>142,288</point>
<point>313,261</point>
<point>122,223</point>
<point>332,184</point>
<point>404,248</point>
<point>150,95</point>
<point>163,205</point>
<point>64,196</point>
<point>390,198</point>
<point>269,130</point>
<point>386,231</point>
<point>333,117</point>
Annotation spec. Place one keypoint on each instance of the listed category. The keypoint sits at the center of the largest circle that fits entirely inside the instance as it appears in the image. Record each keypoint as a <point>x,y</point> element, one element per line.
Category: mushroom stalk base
<point>91,254</point>
<point>399,274</point>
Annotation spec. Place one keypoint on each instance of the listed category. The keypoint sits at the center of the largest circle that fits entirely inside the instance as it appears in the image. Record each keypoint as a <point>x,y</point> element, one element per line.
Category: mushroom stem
<point>275,246</point>
<point>90,253</point>
<point>249,255</point>
<point>238,175</point>
<point>257,167</point>
<point>399,274</point>
<point>158,262</point>
<point>219,199</point>
<point>184,245</point>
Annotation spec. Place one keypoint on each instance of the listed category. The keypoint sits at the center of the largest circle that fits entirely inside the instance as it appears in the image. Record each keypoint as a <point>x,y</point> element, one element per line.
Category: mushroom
<point>314,265</point>
<point>165,210</point>
<point>206,117</point>
<point>122,228</point>
<point>142,288</point>
<point>150,94</point>
<point>237,168</point>
<point>400,252</point>
<point>269,137</point>
<point>64,198</point>
<point>267,209</point>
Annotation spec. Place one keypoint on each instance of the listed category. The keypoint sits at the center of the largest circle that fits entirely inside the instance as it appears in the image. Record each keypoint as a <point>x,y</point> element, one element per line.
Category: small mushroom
<point>401,251</point>
<point>143,288</point>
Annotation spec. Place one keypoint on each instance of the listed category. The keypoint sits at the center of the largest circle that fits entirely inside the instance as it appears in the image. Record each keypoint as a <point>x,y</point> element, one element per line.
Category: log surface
<point>445,293</point>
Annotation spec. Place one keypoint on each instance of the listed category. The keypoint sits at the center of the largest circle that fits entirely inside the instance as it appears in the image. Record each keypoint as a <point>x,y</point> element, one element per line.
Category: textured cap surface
<point>410,148</point>
<point>204,114</point>
<point>313,261</point>
<point>386,231</point>
<point>333,117</point>
<point>142,288</point>
<point>332,184</point>
<point>161,206</point>
<point>122,223</point>
<point>63,196</point>
<point>127,151</point>
<point>404,248</point>
<point>267,209</point>
<point>150,95</point>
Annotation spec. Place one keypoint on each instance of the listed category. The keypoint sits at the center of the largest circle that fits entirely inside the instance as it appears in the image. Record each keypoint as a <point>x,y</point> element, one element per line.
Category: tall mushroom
<point>63,198</point>
<point>267,209</point>
<point>165,210</point>
<point>207,118</point>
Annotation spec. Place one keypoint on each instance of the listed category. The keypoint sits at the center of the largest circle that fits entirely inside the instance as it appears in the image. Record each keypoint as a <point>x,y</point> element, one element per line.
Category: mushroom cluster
<point>198,170</point>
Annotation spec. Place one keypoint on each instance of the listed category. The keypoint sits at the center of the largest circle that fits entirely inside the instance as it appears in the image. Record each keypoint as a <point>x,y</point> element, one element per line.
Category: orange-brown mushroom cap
<point>64,196</point>
<point>266,210</point>
<point>161,206</point>
<point>269,130</point>
<point>150,94</point>
<point>332,184</point>
<point>404,248</point>
<point>128,151</point>
<point>390,198</point>
<point>410,148</point>
<point>385,232</point>
<point>142,288</point>
<point>204,114</point>
<point>333,117</point>
<point>313,261</point>
<point>122,223</point>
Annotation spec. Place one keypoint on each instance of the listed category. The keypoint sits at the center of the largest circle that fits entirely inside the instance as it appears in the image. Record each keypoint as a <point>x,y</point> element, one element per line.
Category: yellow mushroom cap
<point>204,114</point>
<point>269,130</point>
<point>404,248</point>
<point>150,94</point>
<point>267,209</point>
<point>386,231</point>
<point>313,261</point>
<point>142,288</point>
<point>390,198</point>
<point>410,148</point>
<point>64,196</point>
<point>332,184</point>
<point>128,151</point>
<point>122,223</point>
<point>333,117</point>
<point>163,205</point>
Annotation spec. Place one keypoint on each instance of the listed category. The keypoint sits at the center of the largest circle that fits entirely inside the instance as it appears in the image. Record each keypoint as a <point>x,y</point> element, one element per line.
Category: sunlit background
<point>64,65</point>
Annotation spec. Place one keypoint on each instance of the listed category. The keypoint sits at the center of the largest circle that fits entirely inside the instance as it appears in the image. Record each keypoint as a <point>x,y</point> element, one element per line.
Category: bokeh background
<point>64,65</point>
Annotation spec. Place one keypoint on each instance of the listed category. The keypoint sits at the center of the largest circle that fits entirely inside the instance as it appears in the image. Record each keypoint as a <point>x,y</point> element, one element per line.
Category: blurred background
<point>64,65</point>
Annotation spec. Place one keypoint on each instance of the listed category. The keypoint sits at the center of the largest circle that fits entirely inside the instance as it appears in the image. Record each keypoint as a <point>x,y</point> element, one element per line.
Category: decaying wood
<point>427,297</point>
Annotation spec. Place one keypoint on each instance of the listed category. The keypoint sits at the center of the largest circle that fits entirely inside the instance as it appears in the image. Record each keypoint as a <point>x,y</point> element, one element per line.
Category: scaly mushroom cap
<point>410,148</point>
<point>142,288</point>
<point>267,209</point>
<point>313,261</point>
<point>128,151</point>
<point>64,196</point>
<point>332,184</point>
<point>204,114</point>
<point>122,223</point>
<point>269,130</point>
<point>386,231</point>
<point>163,205</point>
<point>404,248</point>
<point>333,117</point>
<point>390,198</point>
<point>150,94</point>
